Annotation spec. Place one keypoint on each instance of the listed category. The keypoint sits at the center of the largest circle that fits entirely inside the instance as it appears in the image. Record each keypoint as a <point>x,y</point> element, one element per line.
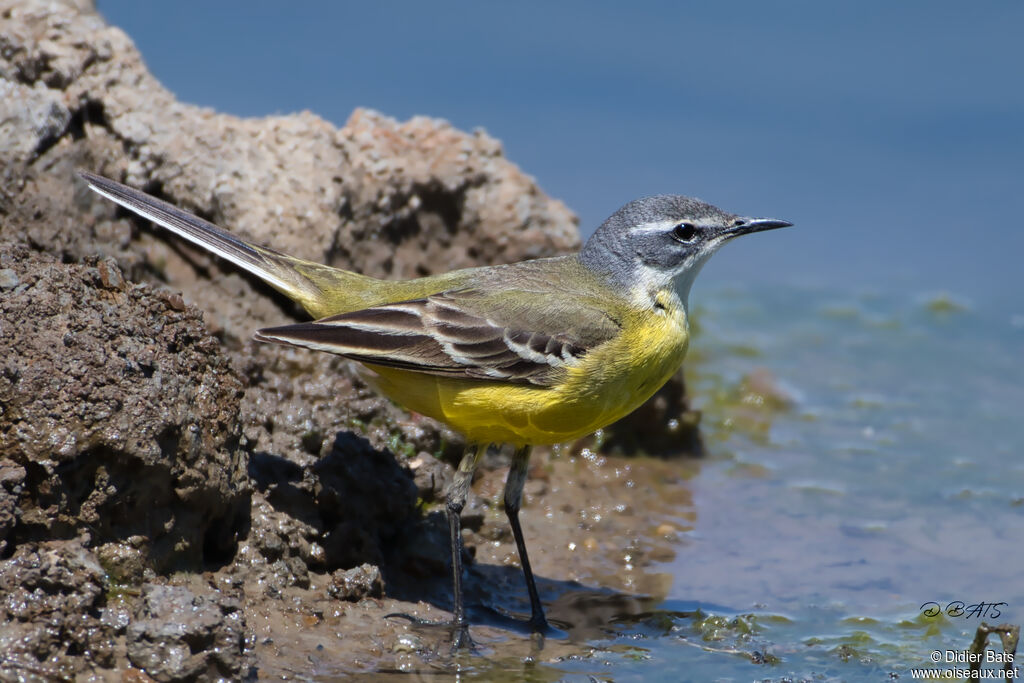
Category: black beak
<point>745,226</point>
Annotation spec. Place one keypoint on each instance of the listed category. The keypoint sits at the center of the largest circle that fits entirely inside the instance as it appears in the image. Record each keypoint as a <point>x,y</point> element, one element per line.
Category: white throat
<point>651,281</point>
<point>684,280</point>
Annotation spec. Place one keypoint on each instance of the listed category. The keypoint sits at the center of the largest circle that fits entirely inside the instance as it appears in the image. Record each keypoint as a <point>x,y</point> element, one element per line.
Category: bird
<point>538,352</point>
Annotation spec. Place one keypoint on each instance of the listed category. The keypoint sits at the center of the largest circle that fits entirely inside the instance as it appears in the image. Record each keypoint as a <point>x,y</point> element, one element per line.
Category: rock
<point>379,196</point>
<point>362,516</point>
<point>124,563</point>
<point>123,414</point>
<point>133,407</point>
<point>357,583</point>
<point>8,278</point>
<point>177,635</point>
<point>387,198</point>
<point>431,476</point>
<point>12,477</point>
<point>48,595</point>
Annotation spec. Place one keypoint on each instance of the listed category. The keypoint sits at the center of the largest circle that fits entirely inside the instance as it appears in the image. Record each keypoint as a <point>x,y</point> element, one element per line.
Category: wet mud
<point>598,529</point>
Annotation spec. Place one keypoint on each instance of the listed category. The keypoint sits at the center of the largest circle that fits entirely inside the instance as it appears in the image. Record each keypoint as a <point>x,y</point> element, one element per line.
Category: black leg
<point>456,495</point>
<point>513,501</point>
<point>456,500</point>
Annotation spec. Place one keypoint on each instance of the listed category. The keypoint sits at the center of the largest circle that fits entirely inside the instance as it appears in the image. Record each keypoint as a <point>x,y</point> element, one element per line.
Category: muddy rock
<point>356,583</point>
<point>52,597</point>
<point>431,476</point>
<point>122,412</point>
<point>178,635</point>
<point>126,562</point>
<point>12,478</point>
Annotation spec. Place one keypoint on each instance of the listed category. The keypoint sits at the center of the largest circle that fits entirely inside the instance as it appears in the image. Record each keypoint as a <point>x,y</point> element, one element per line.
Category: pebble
<point>8,278</point>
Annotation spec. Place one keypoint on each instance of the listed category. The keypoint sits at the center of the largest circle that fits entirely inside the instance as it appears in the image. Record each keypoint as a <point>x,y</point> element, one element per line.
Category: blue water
<point>885,473</point>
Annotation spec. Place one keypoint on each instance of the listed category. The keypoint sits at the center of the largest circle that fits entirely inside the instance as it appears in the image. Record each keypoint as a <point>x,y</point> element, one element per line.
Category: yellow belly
<point>609,383</point>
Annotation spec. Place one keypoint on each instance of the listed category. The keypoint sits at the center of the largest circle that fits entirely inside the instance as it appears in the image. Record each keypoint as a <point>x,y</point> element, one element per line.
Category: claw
<point>458,632</point>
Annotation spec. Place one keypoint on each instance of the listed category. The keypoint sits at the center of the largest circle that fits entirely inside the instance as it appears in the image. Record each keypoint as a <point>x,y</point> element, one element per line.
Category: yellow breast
<point>610,382</point>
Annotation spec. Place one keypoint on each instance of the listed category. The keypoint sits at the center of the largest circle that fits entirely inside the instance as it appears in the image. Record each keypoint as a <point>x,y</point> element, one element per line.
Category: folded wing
<point>511,336</point>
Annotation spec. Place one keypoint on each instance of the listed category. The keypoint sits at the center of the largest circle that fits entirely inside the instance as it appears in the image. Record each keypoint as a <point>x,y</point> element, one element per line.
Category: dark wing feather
<point>511,336</point>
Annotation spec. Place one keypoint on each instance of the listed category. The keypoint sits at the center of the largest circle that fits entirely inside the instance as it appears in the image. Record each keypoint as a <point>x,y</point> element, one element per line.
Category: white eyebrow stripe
<point>658,226</point>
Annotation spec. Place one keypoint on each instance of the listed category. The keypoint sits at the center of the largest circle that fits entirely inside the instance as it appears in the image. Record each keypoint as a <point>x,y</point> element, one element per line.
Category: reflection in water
<point>586,615</point>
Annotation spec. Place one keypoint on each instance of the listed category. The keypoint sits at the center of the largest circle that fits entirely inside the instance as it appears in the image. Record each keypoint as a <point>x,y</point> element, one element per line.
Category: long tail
<point>320,289</point>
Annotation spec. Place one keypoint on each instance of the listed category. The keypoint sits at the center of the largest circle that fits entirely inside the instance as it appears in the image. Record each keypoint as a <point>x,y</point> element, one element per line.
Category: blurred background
<point>859,375</point>
<point>892,134</point>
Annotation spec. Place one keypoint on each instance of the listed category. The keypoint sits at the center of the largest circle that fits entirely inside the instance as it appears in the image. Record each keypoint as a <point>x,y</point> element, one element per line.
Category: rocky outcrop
<point>120,415</point>
<point>141,431</point>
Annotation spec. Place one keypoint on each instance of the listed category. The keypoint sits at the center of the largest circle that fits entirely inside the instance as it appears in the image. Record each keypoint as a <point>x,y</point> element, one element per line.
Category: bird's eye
<point>684,232</point>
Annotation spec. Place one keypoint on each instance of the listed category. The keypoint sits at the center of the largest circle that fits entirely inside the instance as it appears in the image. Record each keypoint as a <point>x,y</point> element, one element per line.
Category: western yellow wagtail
<point>537,352</point>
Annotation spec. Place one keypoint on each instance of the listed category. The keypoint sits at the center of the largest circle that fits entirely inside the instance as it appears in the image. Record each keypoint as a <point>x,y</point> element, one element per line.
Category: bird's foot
<point>539,625</point>
<point>536,626</point>
<point>458,630</point>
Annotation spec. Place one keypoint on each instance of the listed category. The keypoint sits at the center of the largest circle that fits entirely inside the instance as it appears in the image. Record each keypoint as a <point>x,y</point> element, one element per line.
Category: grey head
<point>662,241</point>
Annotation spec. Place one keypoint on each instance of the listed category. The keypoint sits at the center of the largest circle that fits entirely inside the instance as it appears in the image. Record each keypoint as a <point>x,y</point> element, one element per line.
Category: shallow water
<point>864,461</point>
